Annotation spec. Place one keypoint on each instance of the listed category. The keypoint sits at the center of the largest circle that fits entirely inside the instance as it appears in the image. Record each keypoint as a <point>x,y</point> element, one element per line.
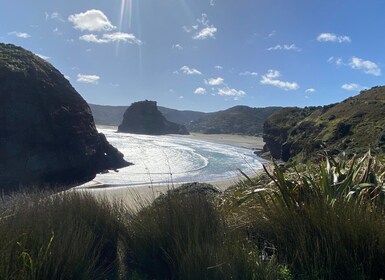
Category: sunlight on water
<point>175,159</point>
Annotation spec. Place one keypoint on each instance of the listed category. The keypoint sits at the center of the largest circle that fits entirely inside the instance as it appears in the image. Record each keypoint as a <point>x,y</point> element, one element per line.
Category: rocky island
<point>48,135</point>
<point>143,117</point>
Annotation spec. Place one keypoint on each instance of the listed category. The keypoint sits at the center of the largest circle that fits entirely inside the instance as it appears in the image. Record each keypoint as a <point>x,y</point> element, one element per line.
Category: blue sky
<point>205,55</point>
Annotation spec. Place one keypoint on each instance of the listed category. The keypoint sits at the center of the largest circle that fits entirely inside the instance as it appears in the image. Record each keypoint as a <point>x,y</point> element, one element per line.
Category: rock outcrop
<point>351,126</point>
<point>144,118</point>
<point>48,135</point>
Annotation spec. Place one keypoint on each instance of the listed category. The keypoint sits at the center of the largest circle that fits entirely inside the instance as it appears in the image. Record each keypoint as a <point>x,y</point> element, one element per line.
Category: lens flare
<point>125,14</point>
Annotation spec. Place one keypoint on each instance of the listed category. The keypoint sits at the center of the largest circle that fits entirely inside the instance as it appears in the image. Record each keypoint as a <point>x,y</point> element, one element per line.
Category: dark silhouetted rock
<point>144,118</point>
<point>48,135</point>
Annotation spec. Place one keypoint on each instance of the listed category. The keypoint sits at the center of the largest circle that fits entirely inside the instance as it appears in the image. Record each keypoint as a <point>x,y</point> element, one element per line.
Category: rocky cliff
<point>47,136</point>
<point>144,118</point>
<point>351,126</point>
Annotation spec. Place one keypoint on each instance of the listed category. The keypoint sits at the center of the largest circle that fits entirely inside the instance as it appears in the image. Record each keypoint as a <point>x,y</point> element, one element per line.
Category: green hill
<point>236,120</point>
<point>351,126</point>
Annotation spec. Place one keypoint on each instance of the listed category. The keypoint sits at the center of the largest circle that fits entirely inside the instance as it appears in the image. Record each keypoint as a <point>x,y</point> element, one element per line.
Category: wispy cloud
<point>55,16</point>
<point>91,20</point>
<point>271,78</point>
<point>88,79</point>
<point>200,90</point>
<point>177,47</point>
<point>310,90</point>
<point>226,91</point>
<point>272,34</point>
<point>214,82</point>
<point>218,67</point>
<point>284,47</point>
<point>42,56</point>
<point>248,73</point>
<point>189,71</point>
<point>331,37</point>
<point>113,37</point>
<point>207,32</point>
<point>351,86</point>
<point>369,67</point>
<point>20,34</point>
<point>203,30</point>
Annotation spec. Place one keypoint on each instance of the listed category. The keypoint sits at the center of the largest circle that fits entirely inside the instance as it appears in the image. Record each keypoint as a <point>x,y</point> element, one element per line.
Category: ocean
<point>174,159</point>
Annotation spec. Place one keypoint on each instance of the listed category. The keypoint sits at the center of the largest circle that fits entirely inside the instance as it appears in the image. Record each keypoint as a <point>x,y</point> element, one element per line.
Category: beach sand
<point>134,195</point>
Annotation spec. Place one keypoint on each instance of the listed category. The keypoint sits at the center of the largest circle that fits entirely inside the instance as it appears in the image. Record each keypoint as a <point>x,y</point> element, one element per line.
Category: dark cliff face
<point>144,118</point>
<point>47,134</point>
<point>351,126</point>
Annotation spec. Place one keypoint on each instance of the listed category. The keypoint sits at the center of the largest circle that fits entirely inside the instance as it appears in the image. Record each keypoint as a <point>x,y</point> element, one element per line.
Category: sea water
<point>174,159</point>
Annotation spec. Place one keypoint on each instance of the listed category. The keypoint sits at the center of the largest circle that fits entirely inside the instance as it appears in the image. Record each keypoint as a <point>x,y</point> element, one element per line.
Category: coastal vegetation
<point>351,126</point>
<point>319,221</point>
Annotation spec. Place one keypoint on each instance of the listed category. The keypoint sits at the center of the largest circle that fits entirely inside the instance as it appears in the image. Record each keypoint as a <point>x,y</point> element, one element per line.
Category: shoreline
<point>135,195</point>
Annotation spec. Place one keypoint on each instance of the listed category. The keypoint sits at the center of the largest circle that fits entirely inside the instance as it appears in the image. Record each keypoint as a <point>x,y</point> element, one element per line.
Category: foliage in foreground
<point>325,222</point>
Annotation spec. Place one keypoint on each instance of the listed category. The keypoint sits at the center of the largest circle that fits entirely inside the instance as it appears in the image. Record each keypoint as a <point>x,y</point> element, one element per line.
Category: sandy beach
<point>145,194</point>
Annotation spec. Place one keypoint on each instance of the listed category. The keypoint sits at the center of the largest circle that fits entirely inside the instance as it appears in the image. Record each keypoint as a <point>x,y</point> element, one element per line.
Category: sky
<point>205,55</point>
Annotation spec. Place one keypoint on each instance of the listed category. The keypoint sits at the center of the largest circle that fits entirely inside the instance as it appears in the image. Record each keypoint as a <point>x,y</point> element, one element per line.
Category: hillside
<point>351,126</point>
<point>236,120</point>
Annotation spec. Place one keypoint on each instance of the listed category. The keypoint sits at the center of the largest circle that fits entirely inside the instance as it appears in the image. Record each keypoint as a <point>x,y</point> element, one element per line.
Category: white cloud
<point>351,86</point>
<point>42,56</point>
<point>67,77</point>
<point>331,37</point>
<point>214,82</point>
<point>367,66</point>
<point>248,73</point>
<point>88,79</point>
<point>218,67</point>
<point>200,90</point>
<point>207,32</point>
<point>270,78</point>
<point>19,34</point>
<point>189,71</point>
<point>181,97</point>
<point>212,2</point>
<point>337,60</point>
<point>311,90</point>
<point>113,37</point>
<point>226,91</point>
<point>91,20</point>
<point>284,47</point>
<point>272,34</point>
<point>177,47</point>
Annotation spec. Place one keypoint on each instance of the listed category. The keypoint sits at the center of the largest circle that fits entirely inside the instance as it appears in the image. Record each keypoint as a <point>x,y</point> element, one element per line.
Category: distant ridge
<point>242,120</point>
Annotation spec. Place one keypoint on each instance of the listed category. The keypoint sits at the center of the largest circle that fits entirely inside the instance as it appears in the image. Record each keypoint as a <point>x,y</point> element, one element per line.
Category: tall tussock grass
<point>325,222</point>
<point>61,236</point>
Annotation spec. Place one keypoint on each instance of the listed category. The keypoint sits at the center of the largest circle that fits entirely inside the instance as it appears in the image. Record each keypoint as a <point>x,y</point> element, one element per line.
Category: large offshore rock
<point>144,118</point>
<point>47,132</point>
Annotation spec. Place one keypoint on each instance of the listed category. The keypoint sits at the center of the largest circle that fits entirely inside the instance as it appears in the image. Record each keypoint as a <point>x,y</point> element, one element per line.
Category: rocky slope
<point>236,120</point>
<point>351,126</point>
<point>47,136</point>
<point>144,118</point>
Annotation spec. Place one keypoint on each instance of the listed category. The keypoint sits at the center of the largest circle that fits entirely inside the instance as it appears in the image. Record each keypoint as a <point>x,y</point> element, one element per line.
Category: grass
<point>305,222</point>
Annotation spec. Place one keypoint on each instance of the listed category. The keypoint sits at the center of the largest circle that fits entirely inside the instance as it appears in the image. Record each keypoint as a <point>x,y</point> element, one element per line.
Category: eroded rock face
<point>144,118</point>
<point>47,134</point>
